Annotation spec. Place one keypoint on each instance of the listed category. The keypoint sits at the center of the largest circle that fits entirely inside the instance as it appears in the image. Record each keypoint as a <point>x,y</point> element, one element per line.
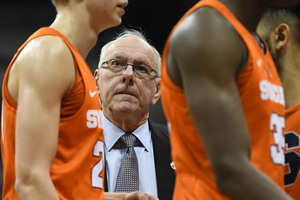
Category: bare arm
<point>128,196</point>
<point>41,75</point>
<point>207,52</point>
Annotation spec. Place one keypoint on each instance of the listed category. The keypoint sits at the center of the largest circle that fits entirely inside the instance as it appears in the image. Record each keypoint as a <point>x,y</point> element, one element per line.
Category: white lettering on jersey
<point>272,92</point>
<point>94,119</point>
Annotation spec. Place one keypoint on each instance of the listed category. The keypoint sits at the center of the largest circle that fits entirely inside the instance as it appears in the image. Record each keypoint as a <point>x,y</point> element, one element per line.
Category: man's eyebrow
<point>123,58</point>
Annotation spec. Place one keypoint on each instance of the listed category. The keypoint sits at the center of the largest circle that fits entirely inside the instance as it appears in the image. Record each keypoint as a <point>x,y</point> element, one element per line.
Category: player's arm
<point>40,77</point>
<point>128,196</point>
<point>208,52</point>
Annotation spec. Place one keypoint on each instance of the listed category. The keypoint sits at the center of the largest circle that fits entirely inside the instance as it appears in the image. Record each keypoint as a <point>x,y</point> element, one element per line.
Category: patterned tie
<point>128,177</point>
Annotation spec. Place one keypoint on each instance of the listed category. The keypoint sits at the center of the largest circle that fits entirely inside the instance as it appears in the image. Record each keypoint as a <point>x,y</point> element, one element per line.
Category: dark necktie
<point>128,177</point>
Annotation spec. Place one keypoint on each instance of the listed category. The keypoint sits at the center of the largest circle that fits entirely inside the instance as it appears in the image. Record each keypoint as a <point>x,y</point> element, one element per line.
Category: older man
<point>128,82</point>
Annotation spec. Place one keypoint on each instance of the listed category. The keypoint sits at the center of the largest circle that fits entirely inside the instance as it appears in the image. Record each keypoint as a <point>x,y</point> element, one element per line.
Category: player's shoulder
<point>45,52</point>
<point>204,34</point>
<point>203,27</point>
<point>47,46</point>
<point>46,58</point>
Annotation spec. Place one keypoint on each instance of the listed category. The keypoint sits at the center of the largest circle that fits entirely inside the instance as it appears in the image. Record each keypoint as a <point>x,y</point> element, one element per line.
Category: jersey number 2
<point>97,180</point>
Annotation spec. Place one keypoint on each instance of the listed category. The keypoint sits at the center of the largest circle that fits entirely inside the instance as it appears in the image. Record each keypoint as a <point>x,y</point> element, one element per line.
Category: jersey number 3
<point>277,150</point>
<point>292,158</point>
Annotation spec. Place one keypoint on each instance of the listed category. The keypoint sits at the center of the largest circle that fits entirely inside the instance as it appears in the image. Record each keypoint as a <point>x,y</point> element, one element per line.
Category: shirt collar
<point>112,133</point>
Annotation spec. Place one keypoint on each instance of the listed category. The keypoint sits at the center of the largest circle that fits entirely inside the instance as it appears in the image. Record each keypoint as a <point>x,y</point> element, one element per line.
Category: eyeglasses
<point>140,70</point>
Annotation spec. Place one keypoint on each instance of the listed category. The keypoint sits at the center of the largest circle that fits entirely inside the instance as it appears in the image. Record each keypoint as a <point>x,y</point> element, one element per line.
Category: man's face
<point>125,94</point>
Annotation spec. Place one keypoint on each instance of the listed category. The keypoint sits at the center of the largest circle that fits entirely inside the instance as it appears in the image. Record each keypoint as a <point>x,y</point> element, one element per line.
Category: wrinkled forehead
<point>132,49</point>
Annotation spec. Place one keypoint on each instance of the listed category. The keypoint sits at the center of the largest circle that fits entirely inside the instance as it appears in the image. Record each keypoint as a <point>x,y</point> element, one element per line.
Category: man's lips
<point>125,93</point>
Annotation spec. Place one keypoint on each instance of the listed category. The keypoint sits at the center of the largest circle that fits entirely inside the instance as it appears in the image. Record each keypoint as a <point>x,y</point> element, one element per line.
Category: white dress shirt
<point>145,156</point>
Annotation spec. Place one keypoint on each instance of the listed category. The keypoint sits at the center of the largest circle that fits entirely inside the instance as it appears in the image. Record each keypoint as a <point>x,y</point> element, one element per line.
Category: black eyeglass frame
<point>109,63</point>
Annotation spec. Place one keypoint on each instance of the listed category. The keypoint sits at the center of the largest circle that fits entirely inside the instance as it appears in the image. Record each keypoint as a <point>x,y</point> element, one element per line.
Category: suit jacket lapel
<point>105,180</point>
<point>165,175</point>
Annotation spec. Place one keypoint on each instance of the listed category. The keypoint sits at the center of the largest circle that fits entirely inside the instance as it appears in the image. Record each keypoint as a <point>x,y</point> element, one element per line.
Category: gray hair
<point>130,33</point>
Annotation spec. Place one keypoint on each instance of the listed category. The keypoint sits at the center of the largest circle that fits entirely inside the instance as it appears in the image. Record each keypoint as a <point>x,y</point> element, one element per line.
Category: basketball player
<point>52,138</point>
<point>279,27</point>
<point>224,103</point>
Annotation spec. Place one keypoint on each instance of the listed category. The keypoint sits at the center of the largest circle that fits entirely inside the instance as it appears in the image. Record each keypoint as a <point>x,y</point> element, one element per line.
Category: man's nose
<point>128,75</point>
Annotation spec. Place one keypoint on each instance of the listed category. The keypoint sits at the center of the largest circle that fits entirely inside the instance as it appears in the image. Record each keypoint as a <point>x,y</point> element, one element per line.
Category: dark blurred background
<point>19,19</point>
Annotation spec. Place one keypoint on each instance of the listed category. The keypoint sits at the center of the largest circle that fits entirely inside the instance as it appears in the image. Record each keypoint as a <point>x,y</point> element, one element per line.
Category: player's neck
<point>290,77</point>
<point>77,31</point>
<point>247,12</point>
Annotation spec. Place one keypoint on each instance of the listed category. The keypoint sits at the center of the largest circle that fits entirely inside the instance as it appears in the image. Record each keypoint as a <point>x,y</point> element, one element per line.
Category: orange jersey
<point>77,170</point>
<point>292,152</point>
<point>262,99</point>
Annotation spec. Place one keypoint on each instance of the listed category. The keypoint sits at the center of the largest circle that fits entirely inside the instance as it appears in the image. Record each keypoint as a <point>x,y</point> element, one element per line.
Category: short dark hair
<point>289,15</point>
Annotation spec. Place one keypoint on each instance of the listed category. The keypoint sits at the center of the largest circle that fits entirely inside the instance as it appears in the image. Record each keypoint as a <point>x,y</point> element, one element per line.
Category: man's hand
<point>139,196</point>
<point>128,196</point>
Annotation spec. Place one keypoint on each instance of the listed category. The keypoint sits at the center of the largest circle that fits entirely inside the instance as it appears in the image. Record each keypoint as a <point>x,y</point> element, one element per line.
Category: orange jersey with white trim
<point>77,170</point>
<point>262,99</point>
<point>292,151</point>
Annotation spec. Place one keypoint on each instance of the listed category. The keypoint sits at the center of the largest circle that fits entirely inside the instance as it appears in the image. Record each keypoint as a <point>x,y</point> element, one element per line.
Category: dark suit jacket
<point>165,175</point>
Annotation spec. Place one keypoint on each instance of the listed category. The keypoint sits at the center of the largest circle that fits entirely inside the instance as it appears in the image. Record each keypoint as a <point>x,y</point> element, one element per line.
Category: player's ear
<point>96,76</point>
<point>282,37</point>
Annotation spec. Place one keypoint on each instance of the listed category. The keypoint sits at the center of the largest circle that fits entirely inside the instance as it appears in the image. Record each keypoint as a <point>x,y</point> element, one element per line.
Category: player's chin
<point>117,19</point>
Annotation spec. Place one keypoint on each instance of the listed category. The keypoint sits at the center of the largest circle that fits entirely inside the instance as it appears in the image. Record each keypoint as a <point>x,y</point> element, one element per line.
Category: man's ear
<point>282,36</point>
<point>96,76</point>
<point>157,92</point>
<point>96,73</point>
